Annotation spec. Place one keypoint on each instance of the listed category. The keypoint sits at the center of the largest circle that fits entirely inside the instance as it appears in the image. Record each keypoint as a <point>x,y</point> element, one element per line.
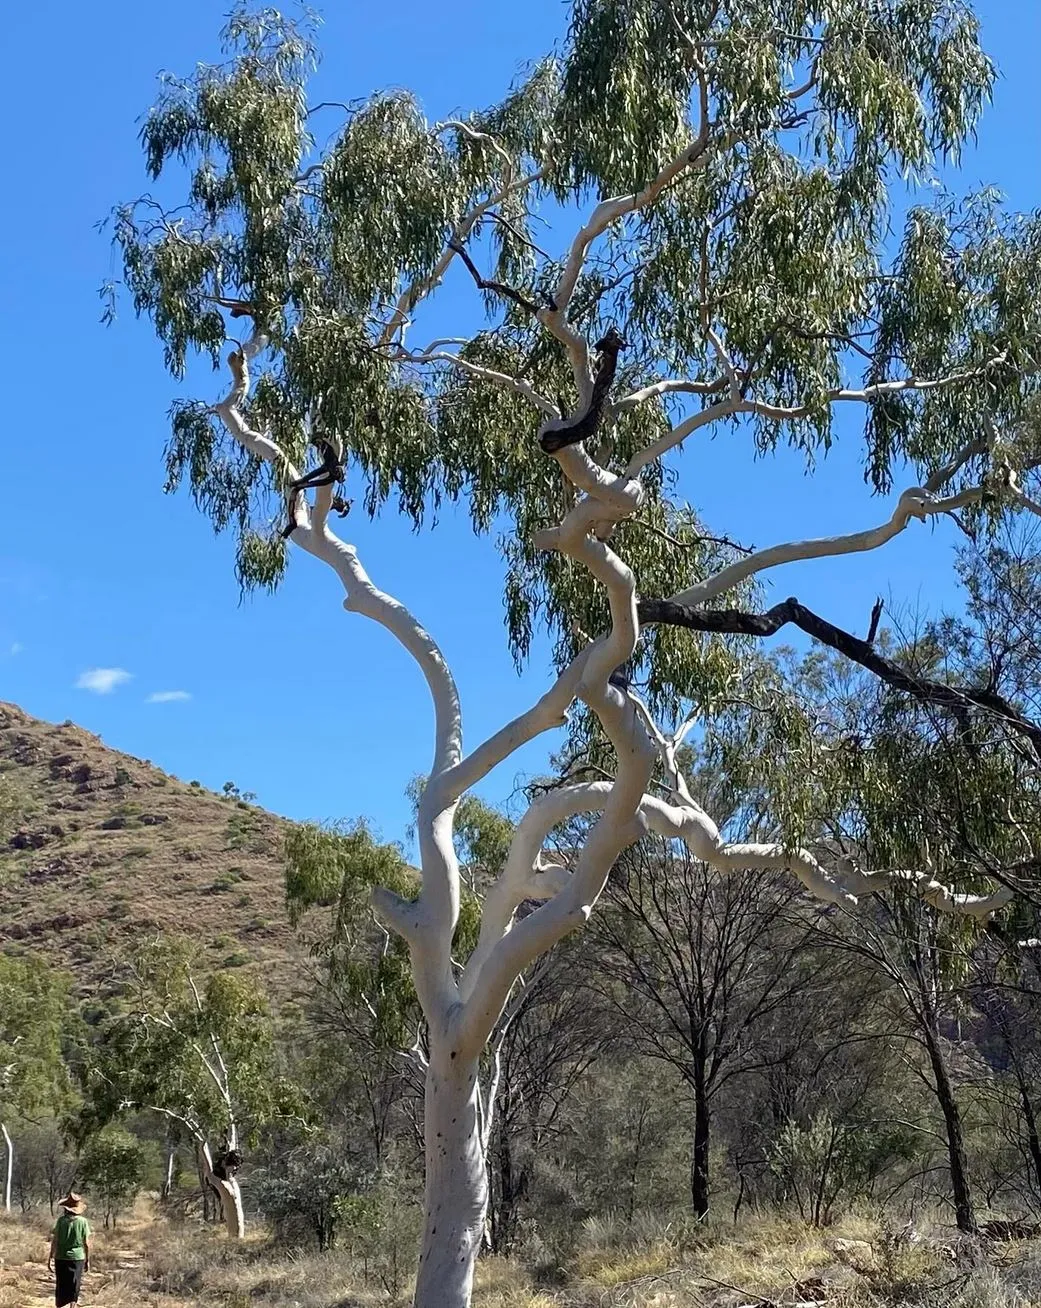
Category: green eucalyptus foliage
<point>34,1020</point>
<point>483,836</point>
<point>338,867</point>
<point>813,112</point>
<point>153,1052</point>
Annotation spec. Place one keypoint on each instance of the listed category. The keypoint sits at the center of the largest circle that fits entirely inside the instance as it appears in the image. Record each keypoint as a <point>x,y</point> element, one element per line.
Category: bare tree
<point>698,963</point>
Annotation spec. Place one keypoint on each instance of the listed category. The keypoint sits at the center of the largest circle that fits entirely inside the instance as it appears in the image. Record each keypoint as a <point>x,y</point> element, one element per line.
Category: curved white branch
<point>503,379</point>
<point>438,903</point>
<point>932,891</point>
<point>523,877</point>
<point>915,502</point>
<point>737,404</point>
<point>868,393</point>
<point>228,411</point>
<point>1020,496</point>
<point>668,386</point>
<point>458,125</point>
<point>550,711</point>
<point>505,954</point>
<point>694,155</point>
<point>678,434</point>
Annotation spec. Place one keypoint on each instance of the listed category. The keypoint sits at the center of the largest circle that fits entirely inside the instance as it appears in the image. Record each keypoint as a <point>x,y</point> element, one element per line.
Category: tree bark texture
<point>959,1166</point>
<point>456,1184</point>
<point>699,1156</point>
<point>228,1191</point>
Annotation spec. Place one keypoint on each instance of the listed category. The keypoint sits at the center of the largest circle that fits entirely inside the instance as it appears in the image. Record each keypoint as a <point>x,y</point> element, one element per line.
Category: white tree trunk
<point>456,1183</point>
<point>9,1169</point>
<point>171,1151</point>
<point>230,1194</point>
<point>231,1204</point>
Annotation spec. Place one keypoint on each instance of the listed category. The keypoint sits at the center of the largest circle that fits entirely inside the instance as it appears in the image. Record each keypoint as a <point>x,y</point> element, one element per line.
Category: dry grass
<point>660,1264</point>
<point>109,847</point>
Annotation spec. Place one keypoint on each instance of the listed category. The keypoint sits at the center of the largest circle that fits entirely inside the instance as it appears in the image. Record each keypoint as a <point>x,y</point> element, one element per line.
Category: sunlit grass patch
<point>609,1268</point>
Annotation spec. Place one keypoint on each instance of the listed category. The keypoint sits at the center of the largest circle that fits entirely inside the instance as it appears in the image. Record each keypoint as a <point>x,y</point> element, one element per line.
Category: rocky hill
<point>97,848</point>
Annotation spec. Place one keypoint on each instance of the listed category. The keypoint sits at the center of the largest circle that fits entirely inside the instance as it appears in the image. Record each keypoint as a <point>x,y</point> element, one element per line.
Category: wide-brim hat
<point>73,1203</point>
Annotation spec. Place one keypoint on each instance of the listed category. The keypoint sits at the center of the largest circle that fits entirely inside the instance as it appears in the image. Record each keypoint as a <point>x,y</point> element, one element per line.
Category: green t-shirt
<point>70,1237</point>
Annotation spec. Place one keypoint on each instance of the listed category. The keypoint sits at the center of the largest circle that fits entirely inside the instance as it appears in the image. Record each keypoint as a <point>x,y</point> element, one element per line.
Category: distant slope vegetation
<point>98,848</point>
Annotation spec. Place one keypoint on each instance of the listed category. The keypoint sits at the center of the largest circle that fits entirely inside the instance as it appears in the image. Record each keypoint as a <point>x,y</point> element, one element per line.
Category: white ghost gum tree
<point>714,178</point>
<point>197,1053</point>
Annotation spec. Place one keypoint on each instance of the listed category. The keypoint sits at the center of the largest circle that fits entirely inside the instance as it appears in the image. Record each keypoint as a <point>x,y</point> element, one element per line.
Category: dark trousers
<point>68,1277</point>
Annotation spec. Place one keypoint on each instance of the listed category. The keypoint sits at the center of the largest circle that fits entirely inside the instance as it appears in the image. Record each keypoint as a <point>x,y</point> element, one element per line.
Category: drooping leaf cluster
<point>808,114</point>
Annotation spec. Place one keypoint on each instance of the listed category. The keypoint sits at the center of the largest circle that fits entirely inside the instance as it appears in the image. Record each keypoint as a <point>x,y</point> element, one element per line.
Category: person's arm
<point>86,1249</point>
<point>50,1254</point>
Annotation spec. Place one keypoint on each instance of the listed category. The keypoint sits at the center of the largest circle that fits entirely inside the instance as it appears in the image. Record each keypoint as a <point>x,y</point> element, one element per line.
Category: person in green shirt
<point>70,1251</point>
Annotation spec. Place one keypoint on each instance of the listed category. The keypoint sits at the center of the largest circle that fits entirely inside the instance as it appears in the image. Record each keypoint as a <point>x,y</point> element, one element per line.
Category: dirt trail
<point>25,1281</point>
<point>31,1285</point>
<point>32,1280</point>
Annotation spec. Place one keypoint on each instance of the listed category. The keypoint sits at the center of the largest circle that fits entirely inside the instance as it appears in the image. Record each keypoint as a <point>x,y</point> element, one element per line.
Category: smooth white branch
<point>526,876</point>
<point>914,503</point>
<point>694,155</point>
<point>737,404</point>
<point>438,905</point>
<point>503,953</point>
<point>501,379</point>
<point>668,386</point>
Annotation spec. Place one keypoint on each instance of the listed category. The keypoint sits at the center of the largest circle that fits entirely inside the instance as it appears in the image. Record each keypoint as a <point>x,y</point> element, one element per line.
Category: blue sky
<point>100,570</point>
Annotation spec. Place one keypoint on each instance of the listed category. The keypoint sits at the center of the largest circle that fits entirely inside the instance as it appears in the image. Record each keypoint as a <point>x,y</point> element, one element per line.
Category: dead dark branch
<point>958,699</point>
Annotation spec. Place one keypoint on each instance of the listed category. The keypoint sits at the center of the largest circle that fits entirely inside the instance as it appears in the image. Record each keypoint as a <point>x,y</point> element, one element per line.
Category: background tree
<point>731,267</point>
<point>197,1052</point>
<point>113,1167</point>
<point>551,1036</point>
<point>309,1188</point>
<point>699,962</point>
<point>33,1075</point>
<point>362,1009</point>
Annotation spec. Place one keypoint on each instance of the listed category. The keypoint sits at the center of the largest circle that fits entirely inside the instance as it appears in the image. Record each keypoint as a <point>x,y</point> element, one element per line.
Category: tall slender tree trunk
<point>456,1183</point>
<point>167,1188</point>
<point>699,1156</point>
<point>700,1152</point>
<point>9,1165</point>
<point>1030,1121</point>
<point>637,1159</point>
<point>208,1195</point>
<point>504,1190</point>
<point>965,1214</point>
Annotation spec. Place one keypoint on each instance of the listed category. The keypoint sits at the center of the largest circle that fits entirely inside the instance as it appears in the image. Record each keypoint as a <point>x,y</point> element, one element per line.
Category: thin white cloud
<point>16,648</point>
<point>102,681</point>
<point>167,696</point>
